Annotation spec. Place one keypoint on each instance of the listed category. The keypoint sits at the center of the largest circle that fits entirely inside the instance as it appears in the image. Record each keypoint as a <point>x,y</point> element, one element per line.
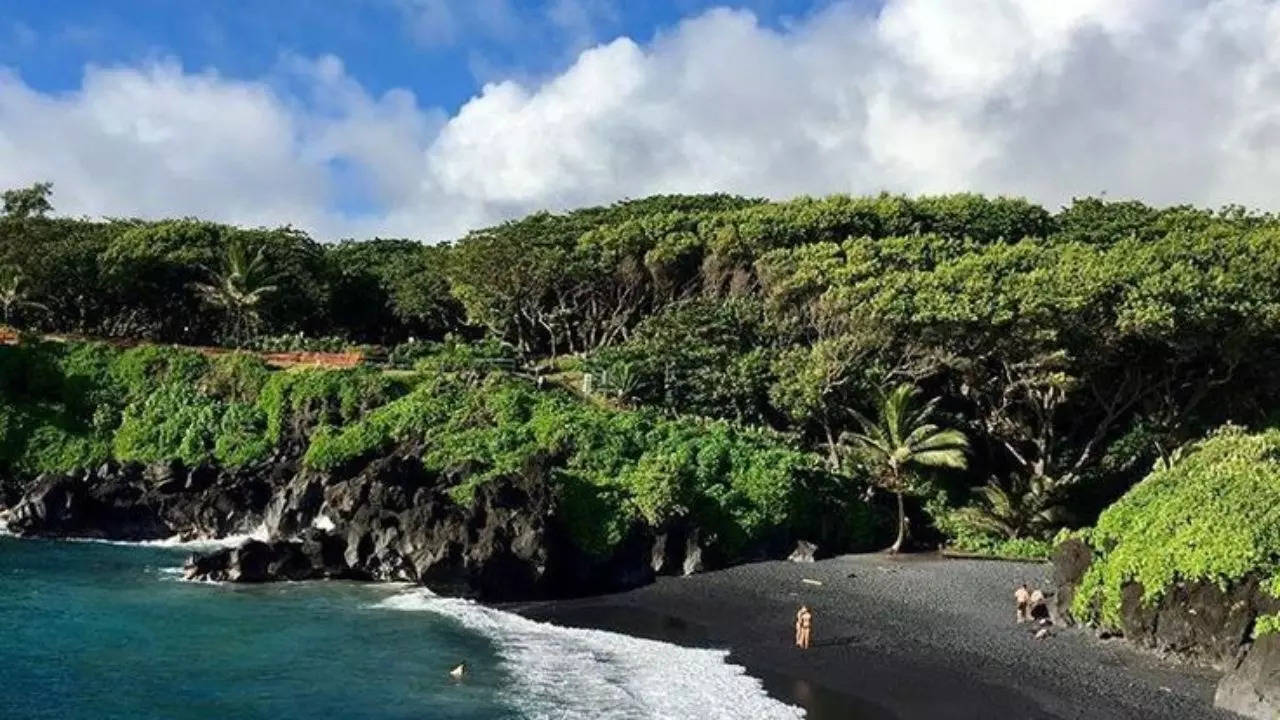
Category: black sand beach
<point>907,637</point>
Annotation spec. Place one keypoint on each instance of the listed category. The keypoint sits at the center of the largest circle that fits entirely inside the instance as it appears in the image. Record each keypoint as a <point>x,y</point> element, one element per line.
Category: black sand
<point>907,637</point>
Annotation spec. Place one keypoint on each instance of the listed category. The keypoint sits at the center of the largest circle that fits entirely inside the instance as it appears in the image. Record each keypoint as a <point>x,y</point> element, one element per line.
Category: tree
<point>386,291</point>
<point>901,441</point>
<point>1029,508</point>
<point>14,296</point>
<point>27,202</point>
<point>240,288</point>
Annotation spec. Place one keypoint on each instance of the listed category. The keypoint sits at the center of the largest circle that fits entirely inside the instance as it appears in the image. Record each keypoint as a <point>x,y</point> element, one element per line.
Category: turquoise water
<point>90,630</point>
<point>96,630</point>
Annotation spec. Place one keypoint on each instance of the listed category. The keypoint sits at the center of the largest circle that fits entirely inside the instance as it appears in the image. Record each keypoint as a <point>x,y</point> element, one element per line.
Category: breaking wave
<point>571,673</point>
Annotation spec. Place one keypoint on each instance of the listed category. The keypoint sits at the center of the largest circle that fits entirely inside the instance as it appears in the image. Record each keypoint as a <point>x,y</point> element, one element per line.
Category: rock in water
<point>314,555</point>
<point>1252,688</point>
<point>805,552</point>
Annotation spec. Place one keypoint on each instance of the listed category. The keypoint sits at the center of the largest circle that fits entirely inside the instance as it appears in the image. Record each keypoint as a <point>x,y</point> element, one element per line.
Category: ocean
<point>103,630</point>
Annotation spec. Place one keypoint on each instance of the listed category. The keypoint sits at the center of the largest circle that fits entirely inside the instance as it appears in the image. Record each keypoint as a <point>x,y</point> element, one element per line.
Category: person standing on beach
<point>804,627</point>
<point>1022,602</point>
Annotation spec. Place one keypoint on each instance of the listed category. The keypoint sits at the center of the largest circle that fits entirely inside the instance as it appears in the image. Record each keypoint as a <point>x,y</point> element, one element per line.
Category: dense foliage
<point>67,406</point>
<point>613,467</point>
<point>1073,349</point>
<point>1213,515</point>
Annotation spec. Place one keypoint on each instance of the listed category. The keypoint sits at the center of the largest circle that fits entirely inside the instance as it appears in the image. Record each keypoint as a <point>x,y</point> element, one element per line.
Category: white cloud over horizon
<point>1168,101</point>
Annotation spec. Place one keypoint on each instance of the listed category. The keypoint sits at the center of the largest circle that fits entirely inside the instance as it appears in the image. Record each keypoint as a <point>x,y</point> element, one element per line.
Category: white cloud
<point>1164,100</point>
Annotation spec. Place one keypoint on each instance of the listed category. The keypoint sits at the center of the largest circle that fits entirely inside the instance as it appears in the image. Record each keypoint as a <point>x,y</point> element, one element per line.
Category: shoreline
<point>914,636</point>
<point>894,637</point>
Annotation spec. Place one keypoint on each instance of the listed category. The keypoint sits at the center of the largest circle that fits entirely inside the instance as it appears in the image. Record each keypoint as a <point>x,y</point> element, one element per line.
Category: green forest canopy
<point>1074,347</point>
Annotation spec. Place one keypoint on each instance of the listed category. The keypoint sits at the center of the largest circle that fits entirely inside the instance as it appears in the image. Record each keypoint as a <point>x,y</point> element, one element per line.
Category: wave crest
<point>229,541</point>
<point>570,673</point>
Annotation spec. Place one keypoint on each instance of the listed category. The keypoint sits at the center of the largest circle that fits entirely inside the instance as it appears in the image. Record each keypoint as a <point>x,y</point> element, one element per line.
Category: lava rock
<point>1071,559</point>
<point>805,552</point>
<point>313,556</point>
<point>1204,619</point>
<point>1252,687</point>
<point>132,502</point>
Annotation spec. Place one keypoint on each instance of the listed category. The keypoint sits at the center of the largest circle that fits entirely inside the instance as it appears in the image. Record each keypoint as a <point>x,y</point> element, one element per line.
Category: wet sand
<point>913,636</point>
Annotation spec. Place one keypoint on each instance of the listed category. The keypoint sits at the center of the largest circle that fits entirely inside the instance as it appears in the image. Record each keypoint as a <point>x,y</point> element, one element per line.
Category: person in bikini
<point>1022,603</point>
<point>804,627</point>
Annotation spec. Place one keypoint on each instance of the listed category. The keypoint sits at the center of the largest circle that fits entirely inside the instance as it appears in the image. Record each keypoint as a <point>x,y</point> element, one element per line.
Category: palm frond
<point>951,458</point>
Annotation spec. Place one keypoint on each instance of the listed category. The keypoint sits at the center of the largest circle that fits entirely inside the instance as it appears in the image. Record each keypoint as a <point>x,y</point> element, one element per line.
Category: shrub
<point>1212,516</point>
<point>996,547</point>
<point>407,354</point>
<point>613,468</point>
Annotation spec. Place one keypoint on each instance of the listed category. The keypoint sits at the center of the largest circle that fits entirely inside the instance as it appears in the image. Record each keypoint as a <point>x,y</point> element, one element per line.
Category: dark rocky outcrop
<point>1252,687</point>
<point>379,518</point>
<point>1196,620</point>
<point>136,502</point>
<point>314,555</point>
<point>1070,559</point>
<point>395,520</point>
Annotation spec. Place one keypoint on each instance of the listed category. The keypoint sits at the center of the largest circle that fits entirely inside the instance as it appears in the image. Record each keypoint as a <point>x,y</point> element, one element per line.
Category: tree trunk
<point>902,526</point>
<point>833,456</point>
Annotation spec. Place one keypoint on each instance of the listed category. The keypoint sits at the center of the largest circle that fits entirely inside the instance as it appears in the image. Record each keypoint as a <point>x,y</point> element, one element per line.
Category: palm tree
<point>240,288</point>
<point>14,297</point>
<point>1029,508</point>
<point>901,441</point>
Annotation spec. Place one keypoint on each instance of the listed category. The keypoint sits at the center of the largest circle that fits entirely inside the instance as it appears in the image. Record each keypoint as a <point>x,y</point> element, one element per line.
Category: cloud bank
<point>1168,101</point>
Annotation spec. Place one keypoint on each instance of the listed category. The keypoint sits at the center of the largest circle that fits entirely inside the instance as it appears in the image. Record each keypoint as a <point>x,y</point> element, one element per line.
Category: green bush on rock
<point>1211,516</point>
<point>613,467</point>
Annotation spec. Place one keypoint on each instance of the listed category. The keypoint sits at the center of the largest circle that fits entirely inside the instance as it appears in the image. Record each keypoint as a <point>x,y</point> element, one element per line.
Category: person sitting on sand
<point>804,627</point>
<point>1022,603</point>
<point>1037,608</point>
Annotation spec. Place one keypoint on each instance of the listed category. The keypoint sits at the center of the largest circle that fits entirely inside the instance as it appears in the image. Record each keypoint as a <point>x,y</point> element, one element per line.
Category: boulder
<point>677,550</point>
<point>1205,620</point>
<point>1137,618</point>
<point>62,506</point>
<point>1252,687</point>
<point>295,506</point>
<point>1071,558</point>
<point>805,552</point>
<point>694,551</point>
<point>314,555</point>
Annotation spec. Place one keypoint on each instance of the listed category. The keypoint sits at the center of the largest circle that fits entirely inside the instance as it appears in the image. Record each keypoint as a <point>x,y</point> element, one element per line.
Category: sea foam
<point>571,673</point>
<point>230,541</point>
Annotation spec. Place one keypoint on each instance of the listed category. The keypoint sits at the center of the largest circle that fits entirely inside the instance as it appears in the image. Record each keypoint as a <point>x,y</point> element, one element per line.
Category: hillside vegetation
<point>69,406</point>
<point>1074,348</point>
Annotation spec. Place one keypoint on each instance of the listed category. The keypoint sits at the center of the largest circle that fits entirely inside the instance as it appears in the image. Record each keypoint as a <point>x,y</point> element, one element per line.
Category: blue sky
<point>442,55</point>
<point>427,118</point>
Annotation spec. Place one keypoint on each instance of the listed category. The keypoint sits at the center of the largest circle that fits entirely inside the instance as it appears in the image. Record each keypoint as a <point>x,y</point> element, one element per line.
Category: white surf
<point>571,673</point>
<point>230,541</point>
